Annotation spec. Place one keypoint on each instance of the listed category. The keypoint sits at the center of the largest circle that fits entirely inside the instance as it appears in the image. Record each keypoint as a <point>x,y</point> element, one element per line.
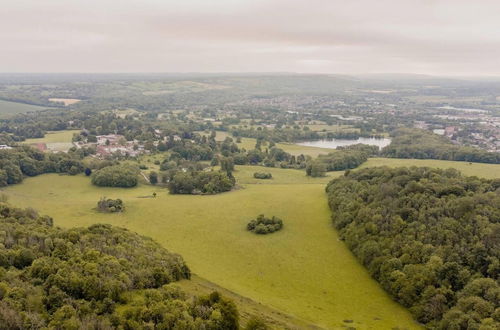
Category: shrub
<point>110,205</point>
<point>262,175</point>
<point>153,177</point>
<point>263,225</point>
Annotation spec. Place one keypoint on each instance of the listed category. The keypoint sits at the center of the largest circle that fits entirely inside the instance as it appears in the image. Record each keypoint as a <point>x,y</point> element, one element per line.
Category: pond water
<point>334,143</point>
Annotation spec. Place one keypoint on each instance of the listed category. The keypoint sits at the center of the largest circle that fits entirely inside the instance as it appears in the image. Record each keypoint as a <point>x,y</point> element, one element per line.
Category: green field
<point>303,271</point>
<point>55,141</point>
<point>14,108</point>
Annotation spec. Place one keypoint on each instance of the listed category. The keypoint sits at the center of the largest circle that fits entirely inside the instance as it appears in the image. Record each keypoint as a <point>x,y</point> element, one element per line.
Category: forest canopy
<point>421,144</point>
<point>429,236</point>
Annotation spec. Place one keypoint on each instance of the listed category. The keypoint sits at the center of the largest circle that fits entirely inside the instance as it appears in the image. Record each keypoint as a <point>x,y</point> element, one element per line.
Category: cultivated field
<point>13,108</point>
<point>303,270</point>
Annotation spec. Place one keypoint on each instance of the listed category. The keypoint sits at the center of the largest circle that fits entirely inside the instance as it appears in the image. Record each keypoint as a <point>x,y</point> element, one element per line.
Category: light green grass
<point>489,171</point>
<point>56,140</point>
<point>14,108</point>
<point>304,270</point>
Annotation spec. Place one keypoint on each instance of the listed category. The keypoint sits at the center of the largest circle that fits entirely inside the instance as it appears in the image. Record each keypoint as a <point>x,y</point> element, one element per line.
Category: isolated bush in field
<point>262,175</point>
<point>263,225</point>
<point>109,205</point>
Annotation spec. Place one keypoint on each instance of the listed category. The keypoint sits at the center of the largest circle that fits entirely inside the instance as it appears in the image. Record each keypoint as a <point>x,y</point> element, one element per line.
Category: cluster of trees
<point>421,144</point>
<point>23,161</point>
<point>429,236</point>
<point>76,278</point>
<point>262,225</point>
<point>109,205</point>
<point>200,182</point>
<point>262,175</point>
<point>121,175</point>
<point>344,159</point>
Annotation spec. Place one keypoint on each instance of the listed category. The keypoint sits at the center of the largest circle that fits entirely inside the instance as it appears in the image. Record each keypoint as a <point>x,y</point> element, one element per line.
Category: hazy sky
<point>442,37</point>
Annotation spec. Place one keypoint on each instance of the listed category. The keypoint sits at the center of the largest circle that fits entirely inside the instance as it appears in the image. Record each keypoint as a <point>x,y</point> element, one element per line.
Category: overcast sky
<point>440,37</point>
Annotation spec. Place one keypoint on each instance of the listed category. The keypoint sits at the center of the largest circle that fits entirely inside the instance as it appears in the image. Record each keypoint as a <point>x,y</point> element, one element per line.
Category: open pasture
<point>304,270</point>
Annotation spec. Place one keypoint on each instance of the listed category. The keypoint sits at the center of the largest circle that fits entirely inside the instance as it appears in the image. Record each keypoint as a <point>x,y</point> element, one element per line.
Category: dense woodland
<point>420,144</point>
<point>429,236</point>
<point>76,279</point>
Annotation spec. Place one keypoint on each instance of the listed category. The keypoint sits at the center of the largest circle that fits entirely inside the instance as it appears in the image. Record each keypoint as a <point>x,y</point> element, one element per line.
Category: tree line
<point>429,236</point>
<point>421,144</point>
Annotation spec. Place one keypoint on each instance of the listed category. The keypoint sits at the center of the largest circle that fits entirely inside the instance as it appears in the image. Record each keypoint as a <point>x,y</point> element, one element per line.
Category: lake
<point>334,143</point>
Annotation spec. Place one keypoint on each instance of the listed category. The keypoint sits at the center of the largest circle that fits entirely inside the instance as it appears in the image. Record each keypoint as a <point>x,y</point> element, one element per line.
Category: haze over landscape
<point>437,37</point>
<point>253,165</point>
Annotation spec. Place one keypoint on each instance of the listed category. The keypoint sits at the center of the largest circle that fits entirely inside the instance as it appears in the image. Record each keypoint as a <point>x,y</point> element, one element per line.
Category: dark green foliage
<point>200,182</point>
<point>343,159</point>
<point>75,279</point>
<point>263,225</point>
<point>429,236</point>
<point>316,168</point>
<point>26,161</point>
<point>116,176</point>
<point>109,205</point>
<point>420,144</point>
<point>153,177</point>
<point>262,175</point>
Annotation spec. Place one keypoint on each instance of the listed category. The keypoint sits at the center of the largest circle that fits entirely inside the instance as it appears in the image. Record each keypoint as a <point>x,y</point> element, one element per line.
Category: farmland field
<point>14,108</point>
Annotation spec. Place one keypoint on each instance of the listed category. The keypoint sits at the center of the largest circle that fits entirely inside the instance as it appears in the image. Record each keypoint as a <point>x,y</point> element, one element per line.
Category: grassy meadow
<point>8,108</point>
<point>304,270</point>
<point>299,276</point>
